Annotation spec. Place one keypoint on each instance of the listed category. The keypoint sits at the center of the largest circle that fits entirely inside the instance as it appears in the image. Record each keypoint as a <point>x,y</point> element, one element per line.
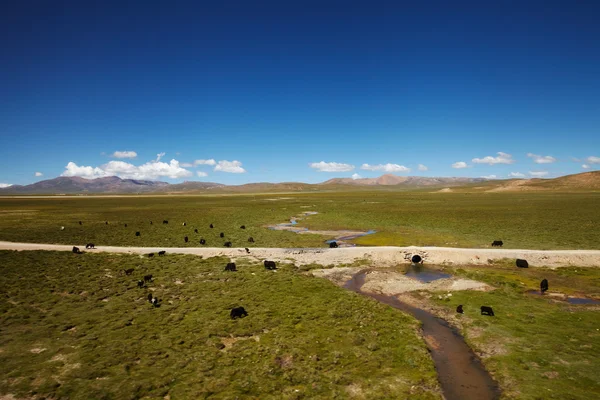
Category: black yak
<point>485,310</point>
<point>238,312</point>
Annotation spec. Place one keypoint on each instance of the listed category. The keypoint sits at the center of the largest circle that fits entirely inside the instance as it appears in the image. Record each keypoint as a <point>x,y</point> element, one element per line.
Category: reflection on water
<point>424,274</point>
<point>582,300</point>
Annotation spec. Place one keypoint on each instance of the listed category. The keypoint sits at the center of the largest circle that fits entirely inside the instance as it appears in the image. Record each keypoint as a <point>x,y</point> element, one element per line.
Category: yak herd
<point>236,312</point>
<point>239,312</point>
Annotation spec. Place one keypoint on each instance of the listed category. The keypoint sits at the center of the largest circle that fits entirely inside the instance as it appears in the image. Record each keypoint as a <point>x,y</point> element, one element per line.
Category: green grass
<point>74,326</point>
<point>535,347</point>
<point>521,220</point>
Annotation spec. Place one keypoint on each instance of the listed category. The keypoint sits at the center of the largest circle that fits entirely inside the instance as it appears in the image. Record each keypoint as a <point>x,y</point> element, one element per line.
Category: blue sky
<point>265,89</point>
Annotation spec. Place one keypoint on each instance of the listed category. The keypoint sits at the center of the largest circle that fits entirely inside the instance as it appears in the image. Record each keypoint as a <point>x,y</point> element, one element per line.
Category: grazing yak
<point>90,246</point>
<point>227,244</point>
<point>270,265</point>
<point>211,226</point>
<point>140,284</point>
<point>137,233</point>
<point>222,234</point>
<point>153,300</point>
<point>522,263</point>
<point>80,223</point>
<point>544,286</point>
<point>459,309</point>
<point>165,221</point>
<point>184,224</point>
<point>105,222</point>
<point>185,239</point>
<point>150,254</point>
<point>251,239</point>
<point>128,271</point>
<point>150,222</point>
<point>125,225</point>
<point>195,230</point>
<point>485,310</point>
<point>62,228</point>
<point>202,241</point>
<point>243,227</point>
<point>148,278</point>
<point>230,267</point>
<point>497,243</point>
<point>247,250</point>
<point>333,245</point>
<point>162,253</point>
<point>238,312</point>
<point>76,250</point>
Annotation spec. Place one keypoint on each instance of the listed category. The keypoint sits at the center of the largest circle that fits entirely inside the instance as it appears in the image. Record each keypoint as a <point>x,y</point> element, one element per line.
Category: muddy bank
<point>461,374</point>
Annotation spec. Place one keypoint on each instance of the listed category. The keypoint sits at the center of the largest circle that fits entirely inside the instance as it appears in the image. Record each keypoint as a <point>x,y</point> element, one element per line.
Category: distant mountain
<point>410,181</point>
<point>75,185</point>
<point>115,185</point>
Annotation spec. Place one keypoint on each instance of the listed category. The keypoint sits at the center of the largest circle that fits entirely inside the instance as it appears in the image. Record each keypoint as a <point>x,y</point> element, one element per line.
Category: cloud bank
<point>459,165</point>
<point>385,167</point>
<point>125,154</point>
<point>149,171</point>
<point>541,159</point>
<point>234,167</point>
<point>331,167</point>
<point>503,158</point>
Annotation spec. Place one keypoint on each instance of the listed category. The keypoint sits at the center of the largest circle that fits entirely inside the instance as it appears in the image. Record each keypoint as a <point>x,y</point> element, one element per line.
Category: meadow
<point>536,347</point>
<point>75,326</point>
<point>549,220</point>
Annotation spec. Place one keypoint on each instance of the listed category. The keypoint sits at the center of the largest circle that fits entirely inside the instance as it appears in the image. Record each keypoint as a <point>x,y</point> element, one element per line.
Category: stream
<point>461,374</point>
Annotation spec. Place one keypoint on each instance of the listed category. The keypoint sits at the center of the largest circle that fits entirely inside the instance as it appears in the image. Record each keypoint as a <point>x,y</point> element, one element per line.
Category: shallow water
<point>460,372</point>
<point>570,300</point>
<point>582,300</point>
<point>424,274</point>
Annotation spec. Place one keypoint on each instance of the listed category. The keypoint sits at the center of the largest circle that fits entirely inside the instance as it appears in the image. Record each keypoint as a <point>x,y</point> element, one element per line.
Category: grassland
<point>74,326</point>
<point>546,220</point>
<point>536,347</point>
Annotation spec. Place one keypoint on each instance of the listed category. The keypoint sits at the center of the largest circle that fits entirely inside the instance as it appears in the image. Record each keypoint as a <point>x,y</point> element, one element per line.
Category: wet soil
<point>563,297</point>
<point>460,372</point>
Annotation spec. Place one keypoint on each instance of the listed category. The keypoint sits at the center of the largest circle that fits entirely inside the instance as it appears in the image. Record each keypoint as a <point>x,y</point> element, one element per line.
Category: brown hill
<point>575,182</point>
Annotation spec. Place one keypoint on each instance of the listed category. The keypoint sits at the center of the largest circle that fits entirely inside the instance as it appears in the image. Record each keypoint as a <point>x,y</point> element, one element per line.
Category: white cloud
<point>593,160</point>
<point>125,154</point>
<point>151,170</point>
<point>516,175</point>
<point>159,156</point>
<point>5,185</point>
<point>234,167</point>
<point>356,176</point>
<point>503,158</point>
<point>73,169</point>
<point>489,176</point>
<point>541,159</point>
<point>39,174</point>
<point>331,167</point>
<point>385,167</point>
<point>585,166</point>
<point>187,165</point>
<point>422,167</point>
<point>201,173</point>
<point>538,174</point>
<point>205,162</point>
<point>459,165</point>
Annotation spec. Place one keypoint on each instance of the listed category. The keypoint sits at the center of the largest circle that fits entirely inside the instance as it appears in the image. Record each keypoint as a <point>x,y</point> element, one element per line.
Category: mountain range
<point>116,185</point>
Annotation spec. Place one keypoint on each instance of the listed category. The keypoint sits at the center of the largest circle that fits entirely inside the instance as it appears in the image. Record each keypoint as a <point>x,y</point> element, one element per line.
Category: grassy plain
<point>536,347</point>
<point>74,326</point>
<point>548,220</point>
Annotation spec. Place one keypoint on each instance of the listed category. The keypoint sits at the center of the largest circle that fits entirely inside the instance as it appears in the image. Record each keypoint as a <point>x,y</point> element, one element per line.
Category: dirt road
<point>378,256</point>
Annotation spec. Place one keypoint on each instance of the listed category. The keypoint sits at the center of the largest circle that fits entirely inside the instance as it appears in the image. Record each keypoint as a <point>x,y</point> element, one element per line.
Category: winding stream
<point>461,374</point>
